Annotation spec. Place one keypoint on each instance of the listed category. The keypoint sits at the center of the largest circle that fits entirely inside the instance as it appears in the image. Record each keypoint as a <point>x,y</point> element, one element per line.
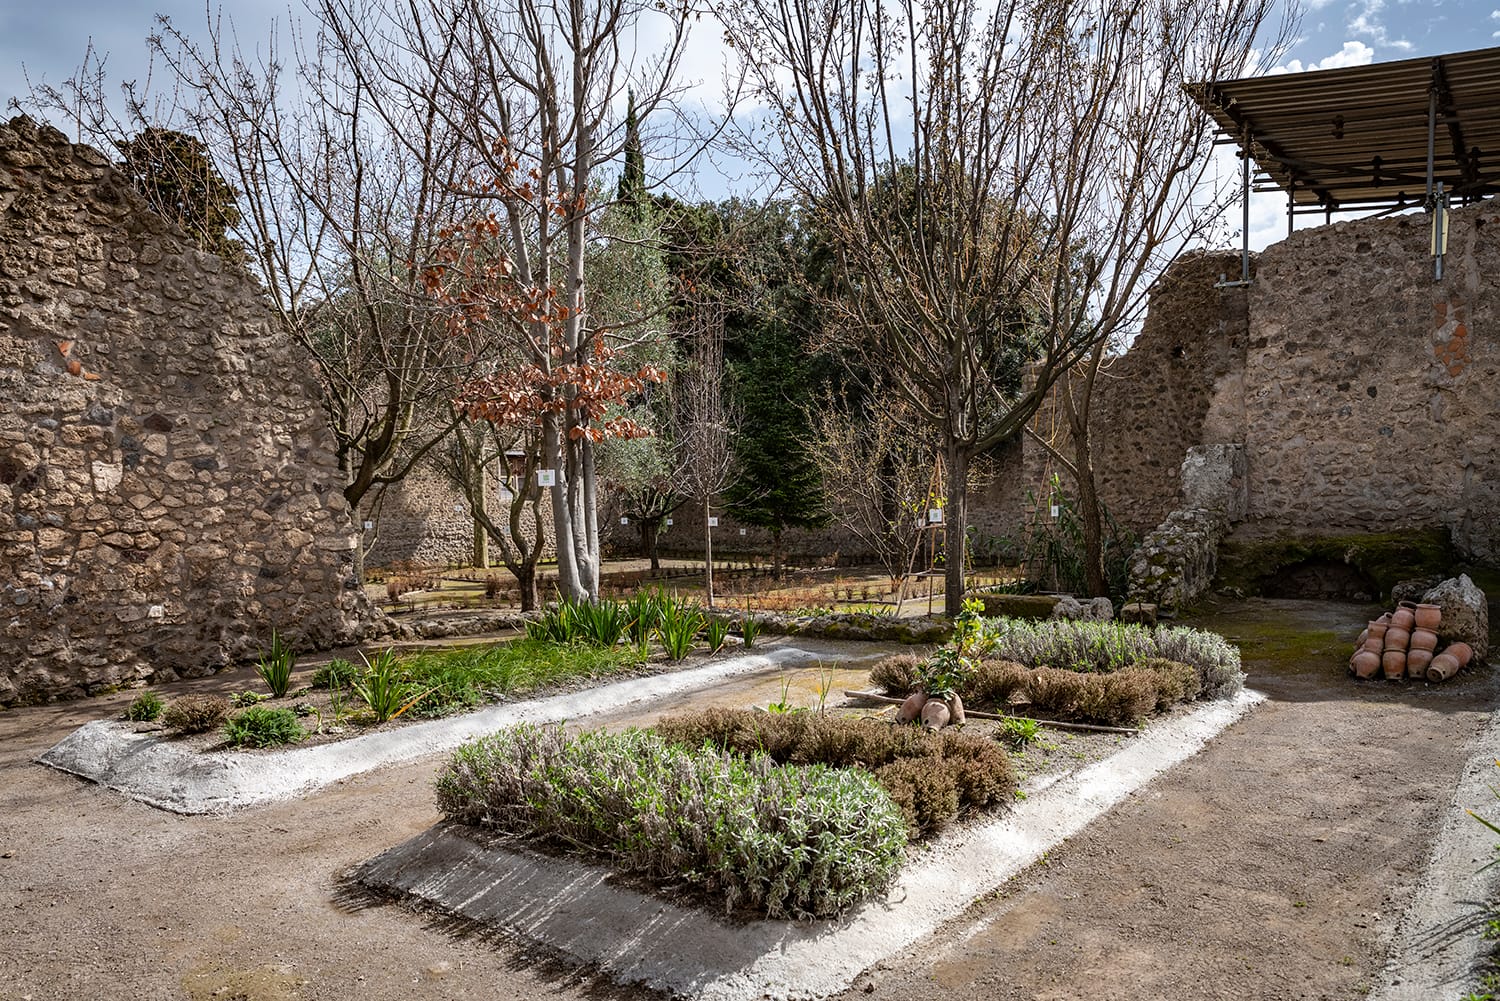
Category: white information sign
<point>1054,510</point>
<point>669,522</point>
<point>624,521</point>
<point>713,522</point>
<point>742,531</point>
<point>546,477</point>
<point>369,525</point>
<point>934,515</point>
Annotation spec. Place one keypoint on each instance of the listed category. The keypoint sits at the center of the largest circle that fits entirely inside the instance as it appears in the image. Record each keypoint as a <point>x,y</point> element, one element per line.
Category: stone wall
<point>168,490</point>
<point>1372,401</point>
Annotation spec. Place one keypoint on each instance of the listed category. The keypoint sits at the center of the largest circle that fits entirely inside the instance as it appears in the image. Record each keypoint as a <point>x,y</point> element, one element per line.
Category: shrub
<point>925,792</point>
<point>897,674</point>
<point>715,631</point>
<point>261,726</point>
<point>243,700</point>
<point>993,683</point>
<point>1175,681</point>
<point>275,667</point>
<point>195,713</point>
<point>1123,698</point>
<point>1055,691</point>
<point>977,768</point>
<point>1020,730</point>
<point>146,708</point>
<point>790,841</point>
<point>338,672</point>
<point>1099,647</point>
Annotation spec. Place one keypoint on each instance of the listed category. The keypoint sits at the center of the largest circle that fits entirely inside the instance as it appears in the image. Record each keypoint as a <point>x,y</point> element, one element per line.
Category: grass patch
<point>932,777</point>
<point>785,841</point>
<point>461,679</point>
<point>261,726</point>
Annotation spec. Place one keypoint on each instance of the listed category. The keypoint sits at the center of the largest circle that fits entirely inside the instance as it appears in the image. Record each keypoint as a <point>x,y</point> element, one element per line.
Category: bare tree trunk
<point>526,578</point>
<point>568,581</point>
<point>708,555</point>
<point>481,534</point>
<point>955,525</point>
<point>1093,522</point>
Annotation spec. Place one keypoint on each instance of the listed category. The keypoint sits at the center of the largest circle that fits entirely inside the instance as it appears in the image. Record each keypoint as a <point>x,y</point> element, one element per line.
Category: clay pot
<point>1364,664</point>
<point>1396,639</point>
<point>1423,639</point>
<point>1375,644</point>
<point>1429,616</point>
<point>1405,617</point>
<point>955,708</point>
<point>1377,627</point>
<point>935,714</point>
<point>1394,663</point>
<point>911,708</point>
<point>1417,662</point>
<point>1443,667</point>
<point>1364,635</point>
<point>1461,652</point>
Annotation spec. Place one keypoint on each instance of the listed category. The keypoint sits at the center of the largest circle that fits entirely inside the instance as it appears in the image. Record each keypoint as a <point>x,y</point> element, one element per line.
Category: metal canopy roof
<point>1377,136</point>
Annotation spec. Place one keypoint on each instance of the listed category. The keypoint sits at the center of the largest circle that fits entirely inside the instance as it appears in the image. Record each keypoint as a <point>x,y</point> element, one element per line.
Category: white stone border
<point>1438,943</point>
<point>164,774</point>
<point>570,907</point>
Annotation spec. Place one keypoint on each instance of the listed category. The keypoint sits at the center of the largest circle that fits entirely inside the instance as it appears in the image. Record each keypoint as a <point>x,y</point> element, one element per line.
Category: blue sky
<point>47,42</point>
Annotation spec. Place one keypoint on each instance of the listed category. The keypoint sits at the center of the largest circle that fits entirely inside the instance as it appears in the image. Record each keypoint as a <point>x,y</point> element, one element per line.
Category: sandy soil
<point>1272,865</point>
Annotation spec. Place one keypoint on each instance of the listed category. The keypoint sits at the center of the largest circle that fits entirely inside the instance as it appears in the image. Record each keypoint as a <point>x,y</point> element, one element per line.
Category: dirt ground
<point>1274,864</point>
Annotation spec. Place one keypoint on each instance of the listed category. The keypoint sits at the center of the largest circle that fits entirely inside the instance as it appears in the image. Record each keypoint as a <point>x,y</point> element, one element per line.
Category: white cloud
<point>1354,53</point>
<point>1369,24</point>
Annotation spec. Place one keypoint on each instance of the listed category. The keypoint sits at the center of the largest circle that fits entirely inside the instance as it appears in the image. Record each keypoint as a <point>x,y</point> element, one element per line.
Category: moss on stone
<point>1018,606</point>
<point>1387,559</point>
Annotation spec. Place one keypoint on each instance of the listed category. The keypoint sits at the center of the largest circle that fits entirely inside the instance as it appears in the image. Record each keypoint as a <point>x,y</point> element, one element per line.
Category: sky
<point>46,42</point>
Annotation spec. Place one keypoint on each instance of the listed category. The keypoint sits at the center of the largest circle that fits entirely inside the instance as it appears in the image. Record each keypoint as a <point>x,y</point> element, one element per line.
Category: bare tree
<point>480,451</point>
<point>877,467</point>
<point>703,424</point>
<point>950,148</point>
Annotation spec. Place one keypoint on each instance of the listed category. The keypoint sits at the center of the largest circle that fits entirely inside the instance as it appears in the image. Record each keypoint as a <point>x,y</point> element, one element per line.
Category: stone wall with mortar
<point>1179,385</point>
<point>423,520</point>
<point>1372,390</point>
<point>168,490</point>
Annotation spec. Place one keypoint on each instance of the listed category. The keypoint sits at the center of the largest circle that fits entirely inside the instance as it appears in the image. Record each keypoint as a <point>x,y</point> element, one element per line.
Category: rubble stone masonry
<point>168,490</point>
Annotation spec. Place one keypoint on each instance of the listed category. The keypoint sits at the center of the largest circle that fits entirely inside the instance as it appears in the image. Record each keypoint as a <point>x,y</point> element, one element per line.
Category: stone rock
<point>1101,609</point>
<point>1466,614</point>
<point>1413,590</point>
<point>1018,606</point>
<point>1139,612</point>
<point>1069,607</point>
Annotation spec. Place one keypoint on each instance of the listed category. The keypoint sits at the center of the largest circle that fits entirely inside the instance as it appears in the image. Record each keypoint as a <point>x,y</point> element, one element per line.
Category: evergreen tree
<point>172,170</point>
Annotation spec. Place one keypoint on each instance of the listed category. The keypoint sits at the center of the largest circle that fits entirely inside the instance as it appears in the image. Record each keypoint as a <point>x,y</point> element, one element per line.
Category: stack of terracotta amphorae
<point>1404,643</point>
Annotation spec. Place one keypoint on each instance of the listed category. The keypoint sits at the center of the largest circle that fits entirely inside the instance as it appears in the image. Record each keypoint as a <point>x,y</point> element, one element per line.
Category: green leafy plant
<point>716,631</point>
<point>1020,730</point>
<point>784,705</point>
<point>944,673</point>
<point>750,631</point>
<point>969,629</point>
<point>601,623</point>
<point>558,623</point>
<point>678,628</point>
<point>385,689</point>
<point>276,665</point>
<point>804,841</point>
<point>195,713</point>
<point>262,726</point>
<point>338,672</point>
<point>241,700</point>
<point>146,708</point>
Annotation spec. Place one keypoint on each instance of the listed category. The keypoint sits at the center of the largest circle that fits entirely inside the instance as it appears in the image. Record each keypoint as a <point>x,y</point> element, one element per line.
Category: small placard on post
<point>713,521</point>
<point>546,477</point>
<point>934,515</point>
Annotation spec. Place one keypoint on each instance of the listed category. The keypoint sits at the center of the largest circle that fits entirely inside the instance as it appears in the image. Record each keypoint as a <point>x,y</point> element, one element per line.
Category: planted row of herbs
<point>804,814</point>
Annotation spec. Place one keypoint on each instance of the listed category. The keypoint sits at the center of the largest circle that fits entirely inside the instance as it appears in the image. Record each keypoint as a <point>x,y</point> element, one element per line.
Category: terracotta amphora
<point>1417,662</point>
<point>1394,663</point>
<point>1396,639</point>
<point>1443,667</point>
<point>1405,616</point>
<point>1429,616</point>
<point>1423,639</point>
<point>1461,652</point>
<point>1364,664</point>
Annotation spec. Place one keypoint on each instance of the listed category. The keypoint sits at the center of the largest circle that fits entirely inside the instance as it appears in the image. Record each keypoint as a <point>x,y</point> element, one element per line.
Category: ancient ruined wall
<point>1178,386</point>
<point>1372,401</point>
<point>424,520</point>
<point>168,493</point>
